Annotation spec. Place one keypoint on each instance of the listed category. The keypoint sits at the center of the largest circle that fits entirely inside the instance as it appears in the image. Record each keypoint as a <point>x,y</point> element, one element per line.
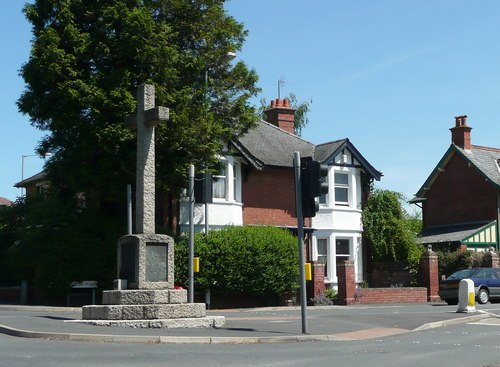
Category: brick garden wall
<point>391,295</point>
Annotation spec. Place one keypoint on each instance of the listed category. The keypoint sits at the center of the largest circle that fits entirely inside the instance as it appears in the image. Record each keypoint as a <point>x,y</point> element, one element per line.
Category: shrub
<point>451,261</point>
<point>251,260</point>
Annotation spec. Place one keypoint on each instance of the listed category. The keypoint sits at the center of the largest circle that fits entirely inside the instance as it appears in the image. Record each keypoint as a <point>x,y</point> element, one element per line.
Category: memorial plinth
<point>145,261</point>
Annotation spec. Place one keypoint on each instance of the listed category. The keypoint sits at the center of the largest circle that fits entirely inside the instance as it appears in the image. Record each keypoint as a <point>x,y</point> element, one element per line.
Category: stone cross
<point>145,120</point>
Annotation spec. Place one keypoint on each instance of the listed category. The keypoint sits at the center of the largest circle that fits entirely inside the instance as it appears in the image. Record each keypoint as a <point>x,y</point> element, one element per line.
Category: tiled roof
<point>268,145</point>
<point>451,233</point>
<point>38,177</point>
<point>324,151</point>
<point>5,201</point>
<point>487,160</point>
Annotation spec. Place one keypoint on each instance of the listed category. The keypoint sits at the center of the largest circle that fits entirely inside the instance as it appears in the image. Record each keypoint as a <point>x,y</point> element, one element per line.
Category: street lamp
<point>22,165</point>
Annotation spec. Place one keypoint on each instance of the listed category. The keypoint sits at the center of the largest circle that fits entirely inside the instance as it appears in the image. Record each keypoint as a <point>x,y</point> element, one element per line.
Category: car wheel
<point>483,296</point>
<point>451,301</point>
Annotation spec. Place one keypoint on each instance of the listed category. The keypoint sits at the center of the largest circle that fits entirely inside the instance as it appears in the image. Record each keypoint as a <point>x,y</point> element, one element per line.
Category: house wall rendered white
<point>336,221</point>
<point>223,211</point>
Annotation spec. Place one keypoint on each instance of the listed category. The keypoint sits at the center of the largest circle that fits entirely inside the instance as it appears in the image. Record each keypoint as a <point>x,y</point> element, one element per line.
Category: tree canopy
<point>87,59</point>
<point>390,230</point>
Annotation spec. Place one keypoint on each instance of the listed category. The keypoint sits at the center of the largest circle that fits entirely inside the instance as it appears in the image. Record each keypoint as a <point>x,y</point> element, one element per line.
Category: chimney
<point>460,134</point>
<point>280,114</point>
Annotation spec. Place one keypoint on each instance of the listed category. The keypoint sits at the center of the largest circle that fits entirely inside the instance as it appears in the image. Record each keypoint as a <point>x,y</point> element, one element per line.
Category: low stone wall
<point>391,295</point>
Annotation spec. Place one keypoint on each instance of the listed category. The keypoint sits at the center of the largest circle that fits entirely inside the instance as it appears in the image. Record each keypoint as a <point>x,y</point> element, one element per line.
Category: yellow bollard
<point>308,271</point>
<point>196,264</point>
<point>472,299</point>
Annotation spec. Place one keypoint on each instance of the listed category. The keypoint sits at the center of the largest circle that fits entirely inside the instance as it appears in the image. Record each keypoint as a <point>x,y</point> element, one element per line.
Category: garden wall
<point>391,295</point>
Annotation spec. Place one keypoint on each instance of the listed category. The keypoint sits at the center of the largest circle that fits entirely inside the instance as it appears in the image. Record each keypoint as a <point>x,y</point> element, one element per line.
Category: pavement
<point>249,326</point>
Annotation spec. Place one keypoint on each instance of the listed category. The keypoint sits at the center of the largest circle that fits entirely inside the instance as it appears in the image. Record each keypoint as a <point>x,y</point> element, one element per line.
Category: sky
<point>390,75</point>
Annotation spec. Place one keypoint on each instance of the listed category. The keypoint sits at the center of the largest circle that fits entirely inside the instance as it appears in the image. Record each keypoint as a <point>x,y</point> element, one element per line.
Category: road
<point>473,344</point>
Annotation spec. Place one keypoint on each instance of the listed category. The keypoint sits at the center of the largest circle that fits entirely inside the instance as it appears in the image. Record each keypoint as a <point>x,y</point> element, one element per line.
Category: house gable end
<point>344,153</point>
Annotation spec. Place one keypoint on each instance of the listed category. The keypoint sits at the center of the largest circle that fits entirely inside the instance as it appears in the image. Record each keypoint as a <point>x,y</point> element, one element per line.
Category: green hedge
<point>249,260</point>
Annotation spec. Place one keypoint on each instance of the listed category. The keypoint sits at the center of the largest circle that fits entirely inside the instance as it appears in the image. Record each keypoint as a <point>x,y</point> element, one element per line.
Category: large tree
<point>87,59</point>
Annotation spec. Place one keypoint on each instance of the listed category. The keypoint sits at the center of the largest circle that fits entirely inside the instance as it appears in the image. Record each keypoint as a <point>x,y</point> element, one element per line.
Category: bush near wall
<point>451,261</point>
<point>247,260</point>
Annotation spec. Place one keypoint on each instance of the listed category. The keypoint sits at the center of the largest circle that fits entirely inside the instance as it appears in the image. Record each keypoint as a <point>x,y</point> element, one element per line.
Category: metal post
<point>129,208</point>
<point>206,183</point>
<point>300,235</point>
<point>191,234</point>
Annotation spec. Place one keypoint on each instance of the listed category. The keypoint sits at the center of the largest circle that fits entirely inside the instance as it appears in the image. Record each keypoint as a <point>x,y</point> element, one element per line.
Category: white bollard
<point>466,296</point>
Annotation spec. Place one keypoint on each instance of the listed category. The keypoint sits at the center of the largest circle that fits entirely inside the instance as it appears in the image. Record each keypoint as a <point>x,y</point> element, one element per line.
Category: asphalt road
<point>458,345</point>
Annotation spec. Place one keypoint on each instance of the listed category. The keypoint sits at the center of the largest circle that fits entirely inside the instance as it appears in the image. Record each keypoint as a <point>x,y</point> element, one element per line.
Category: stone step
<point>143,312</point>
<point>144,297</point>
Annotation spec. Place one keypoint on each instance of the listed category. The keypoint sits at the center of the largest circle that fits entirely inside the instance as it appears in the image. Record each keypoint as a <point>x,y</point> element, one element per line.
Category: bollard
<point>466,296</point>
<point>24,292</point>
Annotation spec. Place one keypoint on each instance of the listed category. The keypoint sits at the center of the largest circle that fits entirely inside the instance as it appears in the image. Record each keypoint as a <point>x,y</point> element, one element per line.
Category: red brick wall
<point>430,275</point>
<point>460,194</point>
<point>347,293</point>
<point>391,295</point>
<point>269,197</point>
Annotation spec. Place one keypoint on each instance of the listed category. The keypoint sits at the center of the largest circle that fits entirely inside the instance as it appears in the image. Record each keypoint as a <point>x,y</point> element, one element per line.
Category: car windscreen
<point>463,274</point>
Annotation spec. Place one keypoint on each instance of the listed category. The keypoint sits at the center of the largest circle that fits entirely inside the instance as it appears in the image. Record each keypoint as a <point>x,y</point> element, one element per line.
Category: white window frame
<point>343,256</point>
<point>347,187</point>
<point>232,180</point>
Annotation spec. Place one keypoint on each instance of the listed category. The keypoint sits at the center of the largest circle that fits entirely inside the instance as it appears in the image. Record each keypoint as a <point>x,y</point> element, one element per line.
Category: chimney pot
<point>460,134</point>
<point>280,114</point>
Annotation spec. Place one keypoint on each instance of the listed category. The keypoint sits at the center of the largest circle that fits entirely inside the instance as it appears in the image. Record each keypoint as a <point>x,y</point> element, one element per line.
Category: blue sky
<point>390,75</point>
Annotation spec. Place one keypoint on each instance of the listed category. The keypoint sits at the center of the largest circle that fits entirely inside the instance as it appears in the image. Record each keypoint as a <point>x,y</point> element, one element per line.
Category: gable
<point>344,153</point>
<point>485,162</point>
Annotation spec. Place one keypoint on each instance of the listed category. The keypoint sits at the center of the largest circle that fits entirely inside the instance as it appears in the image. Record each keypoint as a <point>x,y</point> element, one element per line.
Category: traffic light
<point>203,188</point>
<point>312,173</point>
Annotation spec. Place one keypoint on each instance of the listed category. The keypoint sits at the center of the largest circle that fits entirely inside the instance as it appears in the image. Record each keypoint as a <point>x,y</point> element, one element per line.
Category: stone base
<point>144,297</point>
<point>199,322</point>
<point>144,311</point>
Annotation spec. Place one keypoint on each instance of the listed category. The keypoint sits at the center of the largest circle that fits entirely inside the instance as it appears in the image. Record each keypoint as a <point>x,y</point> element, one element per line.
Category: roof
<point>268,145</point>
<point>5,201</point>
<point>38,177</point>
<point>485,159</point>
<point>324,152</point>
<point>453,233</point>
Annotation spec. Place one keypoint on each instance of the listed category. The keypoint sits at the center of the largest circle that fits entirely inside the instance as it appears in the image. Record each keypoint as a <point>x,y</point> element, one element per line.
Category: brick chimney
<point>460,134</point>
<point>281,115</point>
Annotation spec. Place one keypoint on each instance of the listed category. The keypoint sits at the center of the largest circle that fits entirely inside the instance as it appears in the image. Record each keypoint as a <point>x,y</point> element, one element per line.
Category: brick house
<point>460,200</point>
<point>36,184</point>
<point>255,186</point>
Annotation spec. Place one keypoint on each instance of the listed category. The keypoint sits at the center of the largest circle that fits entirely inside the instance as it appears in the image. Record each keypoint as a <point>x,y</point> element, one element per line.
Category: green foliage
<point>58,242</point>
<point>451,261</point>
<point>390,230</point>
<point>301,115</point>
<point>250,260</point>
<point>87,59</point>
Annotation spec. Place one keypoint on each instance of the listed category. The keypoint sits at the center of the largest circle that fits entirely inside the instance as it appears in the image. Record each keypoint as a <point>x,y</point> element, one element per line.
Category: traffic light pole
<point>300,235</point>
<point>191,235</point>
